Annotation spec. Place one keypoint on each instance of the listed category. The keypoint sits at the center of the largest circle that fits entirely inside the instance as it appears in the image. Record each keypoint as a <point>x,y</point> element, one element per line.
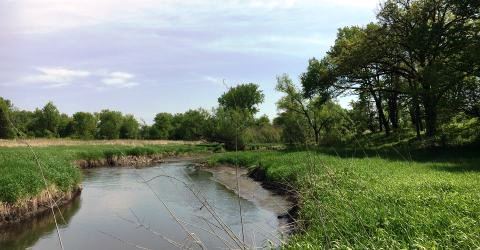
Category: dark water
<point>116,210</point>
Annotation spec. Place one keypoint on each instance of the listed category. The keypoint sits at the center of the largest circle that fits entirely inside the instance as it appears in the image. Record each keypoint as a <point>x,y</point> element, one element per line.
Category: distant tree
<point>109,124</point>
<point>262,121</point>
<point>84,125</point>
<point>162,127</point>
<point>294,128</point>
<point>243,97</point>
<point>22,120</point>
<point>190,125</point>
<point>6,130</point>
<point>65,126</point>
<point>228,126</point>
<point>130,128</point>
<point>46,121</point>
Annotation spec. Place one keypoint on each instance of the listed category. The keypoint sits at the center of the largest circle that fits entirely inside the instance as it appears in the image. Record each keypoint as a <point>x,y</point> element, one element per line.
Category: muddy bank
<point>29,208</point>
<point>255,187</point>
<point>136,161</point>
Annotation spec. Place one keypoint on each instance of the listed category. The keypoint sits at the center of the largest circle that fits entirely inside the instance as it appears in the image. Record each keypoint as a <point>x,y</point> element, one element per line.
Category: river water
<point>119,210</point>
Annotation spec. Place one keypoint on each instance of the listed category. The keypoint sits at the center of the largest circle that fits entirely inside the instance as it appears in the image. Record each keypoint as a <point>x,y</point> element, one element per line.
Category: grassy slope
<point>20,177</point>
<point>431,200</point>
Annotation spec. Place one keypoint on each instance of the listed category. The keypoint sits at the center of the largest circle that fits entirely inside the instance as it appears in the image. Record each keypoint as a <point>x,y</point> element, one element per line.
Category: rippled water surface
<point>117,210</point>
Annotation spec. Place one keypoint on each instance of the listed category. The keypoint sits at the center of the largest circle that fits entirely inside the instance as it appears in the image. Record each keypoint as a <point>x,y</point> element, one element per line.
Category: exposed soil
<point>29,208</point>
<point>259,191</point>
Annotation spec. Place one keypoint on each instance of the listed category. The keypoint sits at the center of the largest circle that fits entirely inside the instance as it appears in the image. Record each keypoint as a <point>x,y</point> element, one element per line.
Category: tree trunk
<point>317,137</point>
<point>393,110</point>
<point>430,116</point>
<point>381,114</point>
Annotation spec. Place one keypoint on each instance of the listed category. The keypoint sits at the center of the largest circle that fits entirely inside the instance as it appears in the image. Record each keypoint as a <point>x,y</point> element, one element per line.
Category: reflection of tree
<point>25,234</point>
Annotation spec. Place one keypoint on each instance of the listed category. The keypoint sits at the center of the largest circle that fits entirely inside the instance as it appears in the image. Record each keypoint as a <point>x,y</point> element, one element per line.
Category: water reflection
<point>114,202</point>
<point>21,236</point>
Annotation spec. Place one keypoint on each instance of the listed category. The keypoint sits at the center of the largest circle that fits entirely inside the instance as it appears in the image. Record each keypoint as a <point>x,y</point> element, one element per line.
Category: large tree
<point>433,41</point>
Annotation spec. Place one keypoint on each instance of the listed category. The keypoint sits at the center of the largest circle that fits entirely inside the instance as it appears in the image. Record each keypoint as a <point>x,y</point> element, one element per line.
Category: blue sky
<point>148,56</point>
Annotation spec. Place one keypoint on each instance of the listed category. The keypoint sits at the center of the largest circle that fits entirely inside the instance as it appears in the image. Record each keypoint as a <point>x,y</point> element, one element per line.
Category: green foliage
<point>190,125</point>
<point>243,97</point>
<point>109,124</point>
<point>349,200</point>
<point>46,121</point>
<point>6,130</point>
<point>321,119</point>
<point>163,127</point>
<point>228,127</point>
<point>84,125</point>
<point>129,128</point>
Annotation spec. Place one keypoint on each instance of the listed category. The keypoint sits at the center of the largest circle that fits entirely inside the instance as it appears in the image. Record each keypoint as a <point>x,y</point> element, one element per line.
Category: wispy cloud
<point>120,80</point>
<point>52,77</point>
<point>56,77</point>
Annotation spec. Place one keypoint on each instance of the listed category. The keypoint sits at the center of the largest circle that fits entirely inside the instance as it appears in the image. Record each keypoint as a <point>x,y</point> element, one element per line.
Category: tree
<point>129,128</point>
<point>109,124</point>
<point>6,130</point>
<point>46,121</point>
<point>84,125</point>
<point>235,114</point>
<point>242,97</point>
<point>319,114</point>
<point>162,127</point>
<point>294,128</point>
<point>434,41</point>
<point>65,126</point>
<point>190,125</point>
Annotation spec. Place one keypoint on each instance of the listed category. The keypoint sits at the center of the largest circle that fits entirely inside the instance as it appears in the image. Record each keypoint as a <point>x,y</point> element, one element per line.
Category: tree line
<point>233,122</point>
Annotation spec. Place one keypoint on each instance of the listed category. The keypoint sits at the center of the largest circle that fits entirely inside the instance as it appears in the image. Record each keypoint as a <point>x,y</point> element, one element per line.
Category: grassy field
<point>372,199</point>
<point>21,178</point>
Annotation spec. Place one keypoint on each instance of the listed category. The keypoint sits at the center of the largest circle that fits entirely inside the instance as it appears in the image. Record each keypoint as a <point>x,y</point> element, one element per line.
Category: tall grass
<point>377,202</point>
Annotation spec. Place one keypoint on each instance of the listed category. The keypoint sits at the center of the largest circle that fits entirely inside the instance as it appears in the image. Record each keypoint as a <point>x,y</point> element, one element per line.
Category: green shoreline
<point>353,201</point>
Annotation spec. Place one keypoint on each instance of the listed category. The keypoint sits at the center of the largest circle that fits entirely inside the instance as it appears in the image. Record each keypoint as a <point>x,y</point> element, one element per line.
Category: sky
<point>143,57</point>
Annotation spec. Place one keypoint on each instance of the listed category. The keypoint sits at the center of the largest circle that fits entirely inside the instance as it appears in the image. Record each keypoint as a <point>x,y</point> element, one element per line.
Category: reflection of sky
<point>148,56</point>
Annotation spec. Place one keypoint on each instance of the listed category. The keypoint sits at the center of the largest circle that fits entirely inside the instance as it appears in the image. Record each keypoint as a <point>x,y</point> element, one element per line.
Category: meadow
<point>361,199</point>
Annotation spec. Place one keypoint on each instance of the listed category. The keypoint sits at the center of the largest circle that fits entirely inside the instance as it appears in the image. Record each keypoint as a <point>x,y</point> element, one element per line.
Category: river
<point>168,206</point>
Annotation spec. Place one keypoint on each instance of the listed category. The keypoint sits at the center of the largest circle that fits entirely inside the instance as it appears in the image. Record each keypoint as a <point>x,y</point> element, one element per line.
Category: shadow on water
<point>25,234</point>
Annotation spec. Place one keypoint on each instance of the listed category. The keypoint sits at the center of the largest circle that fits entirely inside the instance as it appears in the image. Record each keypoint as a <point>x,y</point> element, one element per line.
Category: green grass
<point>20,177</point>
<point>356,199</point>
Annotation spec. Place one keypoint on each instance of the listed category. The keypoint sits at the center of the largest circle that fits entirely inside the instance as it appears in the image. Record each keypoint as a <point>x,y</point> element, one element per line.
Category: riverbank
<point>353,200</point>
<point>24,172</point>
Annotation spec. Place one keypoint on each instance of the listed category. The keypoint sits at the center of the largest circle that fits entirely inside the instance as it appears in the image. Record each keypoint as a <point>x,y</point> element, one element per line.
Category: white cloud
<point>55,76</point>
<point>119,80</point>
